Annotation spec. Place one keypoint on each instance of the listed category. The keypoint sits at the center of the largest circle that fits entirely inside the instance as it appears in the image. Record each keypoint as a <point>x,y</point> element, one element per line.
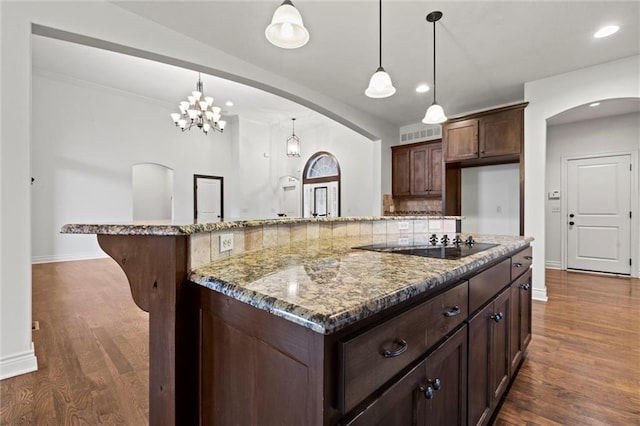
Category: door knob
<point>571,215</point>
<point>572,223</point>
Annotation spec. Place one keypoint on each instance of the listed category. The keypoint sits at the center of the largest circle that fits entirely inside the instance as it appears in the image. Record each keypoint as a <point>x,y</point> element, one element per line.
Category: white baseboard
<point>552,264</point>
<point>67,257</point>
<point>540,294</point>
<point>21,363</point>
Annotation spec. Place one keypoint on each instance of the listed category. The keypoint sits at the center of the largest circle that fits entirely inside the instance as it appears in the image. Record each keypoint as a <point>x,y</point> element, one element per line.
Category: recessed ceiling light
<point>229,103</point>
<point>606,31</point>
<point>422,88</point>
<point>595,104</point>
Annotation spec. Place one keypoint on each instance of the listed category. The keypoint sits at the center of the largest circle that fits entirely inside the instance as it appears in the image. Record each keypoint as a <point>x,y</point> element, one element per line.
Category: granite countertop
<point>167,228</point>
<point>325,285</point>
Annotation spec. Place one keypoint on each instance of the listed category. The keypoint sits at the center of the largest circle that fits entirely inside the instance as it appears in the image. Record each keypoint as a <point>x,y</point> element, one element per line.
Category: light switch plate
<point>226,242</point>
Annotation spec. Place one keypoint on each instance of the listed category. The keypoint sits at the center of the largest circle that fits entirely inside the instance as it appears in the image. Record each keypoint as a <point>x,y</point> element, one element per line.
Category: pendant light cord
<point>380,34</point>
<point>434,62</point>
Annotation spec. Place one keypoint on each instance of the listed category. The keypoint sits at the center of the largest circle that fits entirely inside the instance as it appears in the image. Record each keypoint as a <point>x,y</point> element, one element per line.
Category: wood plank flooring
<point>582,367</point>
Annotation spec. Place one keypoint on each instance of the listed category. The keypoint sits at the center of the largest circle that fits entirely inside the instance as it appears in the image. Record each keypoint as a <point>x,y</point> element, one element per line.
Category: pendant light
<point>435,113</point>
<point>380,85</point>
<point>286,29</point>
<point>293,142</point>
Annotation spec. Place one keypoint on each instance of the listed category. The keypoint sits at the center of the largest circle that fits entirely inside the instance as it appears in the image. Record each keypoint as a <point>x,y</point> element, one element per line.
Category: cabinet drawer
<point>520,262</point>
<point>371,358</point>
<point>487,284</point>
<point>446,312</point>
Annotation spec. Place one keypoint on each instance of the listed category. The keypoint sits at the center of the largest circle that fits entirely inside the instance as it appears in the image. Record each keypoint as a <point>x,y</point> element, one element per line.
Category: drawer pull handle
<point>528,258</point>
<point>402,348</point>
<point>433,385</point>
<point>517,265</point>
<point>525,286</point>
<point>455,311</point>
<point>497,317</point>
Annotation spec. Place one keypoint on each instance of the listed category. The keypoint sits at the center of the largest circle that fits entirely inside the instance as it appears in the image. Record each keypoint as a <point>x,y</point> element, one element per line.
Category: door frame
<point>564,207</point>
<point>195,195</point>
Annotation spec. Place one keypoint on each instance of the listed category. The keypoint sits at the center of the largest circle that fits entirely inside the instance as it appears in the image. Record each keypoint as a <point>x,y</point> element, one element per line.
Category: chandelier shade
<point>287,29</point>
<point>435,113</point>
<point>380,85</point>
<point>198,111</point>
<point>293,142</point>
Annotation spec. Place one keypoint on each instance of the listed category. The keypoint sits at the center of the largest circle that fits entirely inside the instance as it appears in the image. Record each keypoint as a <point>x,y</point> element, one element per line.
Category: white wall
<point>547,98</point>
<point>263,162</point>
<point>103,20</point>
<point>491,199</point>
<point>602,136</point>
<point>82,159</point>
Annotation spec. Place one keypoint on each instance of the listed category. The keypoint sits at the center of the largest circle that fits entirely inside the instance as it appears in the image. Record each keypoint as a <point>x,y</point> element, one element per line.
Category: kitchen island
<point>295,326</point>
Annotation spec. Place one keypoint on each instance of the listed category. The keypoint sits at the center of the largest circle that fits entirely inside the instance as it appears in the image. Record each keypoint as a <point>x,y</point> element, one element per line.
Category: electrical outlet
<point>403,226</point>
<point>226,242</point>
<point>403,241</point>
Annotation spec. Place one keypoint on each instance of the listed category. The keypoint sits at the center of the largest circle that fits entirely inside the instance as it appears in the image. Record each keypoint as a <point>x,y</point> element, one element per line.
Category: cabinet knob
<point>526,286</point>
<point>517,265</point>
<point>431,386</point>
<point>402,346</point>
<point>453,311</point>
<point>427,391</point>
<point>497,317</point>
<point>528,257</point>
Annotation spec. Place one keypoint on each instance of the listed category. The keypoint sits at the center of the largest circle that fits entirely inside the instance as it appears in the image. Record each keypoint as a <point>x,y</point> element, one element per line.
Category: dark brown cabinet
<point>432,393</point>
<point>400,175</point>
<point>492,134</point>
<point>417,170</point>
<point>489,362</point>
<point>520,319</point>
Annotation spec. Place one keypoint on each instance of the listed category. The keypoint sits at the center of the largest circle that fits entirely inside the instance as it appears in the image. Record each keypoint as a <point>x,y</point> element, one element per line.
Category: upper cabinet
<point>417,170</point>
<point>486,137</point>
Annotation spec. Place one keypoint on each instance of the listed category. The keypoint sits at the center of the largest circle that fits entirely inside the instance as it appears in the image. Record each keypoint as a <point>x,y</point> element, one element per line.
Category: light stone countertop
<point>167,228</point>
<point>325,285</point>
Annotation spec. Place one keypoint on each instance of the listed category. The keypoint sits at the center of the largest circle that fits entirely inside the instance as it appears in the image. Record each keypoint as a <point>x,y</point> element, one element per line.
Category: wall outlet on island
<point>403,226</point>
<point>226,242</point>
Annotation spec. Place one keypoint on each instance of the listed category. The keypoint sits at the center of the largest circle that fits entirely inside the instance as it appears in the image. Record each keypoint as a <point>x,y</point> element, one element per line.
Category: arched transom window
<point>321,186</point>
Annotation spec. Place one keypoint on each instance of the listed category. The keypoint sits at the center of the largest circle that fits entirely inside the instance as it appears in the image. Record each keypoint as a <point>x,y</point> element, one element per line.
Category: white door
<point>208,199</point>
<point>599,207</point>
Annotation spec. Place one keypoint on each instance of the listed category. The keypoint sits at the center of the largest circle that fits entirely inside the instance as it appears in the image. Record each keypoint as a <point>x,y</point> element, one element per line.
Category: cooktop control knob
<point>444,240</point>
<point>457,240</point>
<point>470,241</point>
<point>433,239</point>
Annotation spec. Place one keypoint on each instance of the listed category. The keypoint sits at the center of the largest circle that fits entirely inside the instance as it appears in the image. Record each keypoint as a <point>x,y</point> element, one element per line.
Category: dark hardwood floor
<point>582,366</point>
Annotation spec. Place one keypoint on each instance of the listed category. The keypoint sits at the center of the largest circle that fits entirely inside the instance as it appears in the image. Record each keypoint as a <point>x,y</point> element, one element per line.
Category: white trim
<point>552,264</point>
<point>635,207</point>
<point>540,295</point>
<point>67,258</point>
<point>20,363</point>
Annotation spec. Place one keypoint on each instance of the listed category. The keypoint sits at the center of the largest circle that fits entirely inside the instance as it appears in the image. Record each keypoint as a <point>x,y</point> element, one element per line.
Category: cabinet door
<point>500,363</point>
<point>400,171</point>
<point>488,358</point>
<point>520,319</point>
<point>460,140</point>
<point>446,375</point>
<point>435,170</point>
<point>420,170</point>
<point>501,133</point>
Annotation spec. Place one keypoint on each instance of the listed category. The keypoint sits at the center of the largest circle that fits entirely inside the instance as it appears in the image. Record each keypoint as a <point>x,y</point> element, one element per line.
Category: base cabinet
<point>520,319</point>
<point>432,393</point>
<point>489,362</point>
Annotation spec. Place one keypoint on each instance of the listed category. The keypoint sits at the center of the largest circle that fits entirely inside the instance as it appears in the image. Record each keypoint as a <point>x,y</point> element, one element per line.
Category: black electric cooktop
<point>438,251</point>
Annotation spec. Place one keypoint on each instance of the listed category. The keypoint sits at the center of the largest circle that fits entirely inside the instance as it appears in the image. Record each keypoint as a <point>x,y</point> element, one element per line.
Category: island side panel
<point>257,368</point>
<point>156,267</point>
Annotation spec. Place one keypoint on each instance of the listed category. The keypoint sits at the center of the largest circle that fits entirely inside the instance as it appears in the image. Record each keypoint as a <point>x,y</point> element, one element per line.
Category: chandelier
<point>198,110</point>
<point>293,142</point>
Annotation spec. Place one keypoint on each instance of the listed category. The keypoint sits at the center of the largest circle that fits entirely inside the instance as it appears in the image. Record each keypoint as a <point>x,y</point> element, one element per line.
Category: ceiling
<point>486,51</point>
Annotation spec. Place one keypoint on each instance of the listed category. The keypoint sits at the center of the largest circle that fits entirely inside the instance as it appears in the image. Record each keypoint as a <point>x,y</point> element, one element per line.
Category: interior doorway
<point>152,187</point>
<point>208,195</point>
<point>321,186</point>
<point>598,213</point>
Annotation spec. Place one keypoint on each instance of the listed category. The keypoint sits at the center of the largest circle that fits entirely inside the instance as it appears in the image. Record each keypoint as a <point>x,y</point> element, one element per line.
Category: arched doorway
<point>152,186</point>
<point>321,186</point>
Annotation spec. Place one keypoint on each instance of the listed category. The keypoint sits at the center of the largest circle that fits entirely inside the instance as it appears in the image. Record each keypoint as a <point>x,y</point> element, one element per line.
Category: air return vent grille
<point>421,135</point>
